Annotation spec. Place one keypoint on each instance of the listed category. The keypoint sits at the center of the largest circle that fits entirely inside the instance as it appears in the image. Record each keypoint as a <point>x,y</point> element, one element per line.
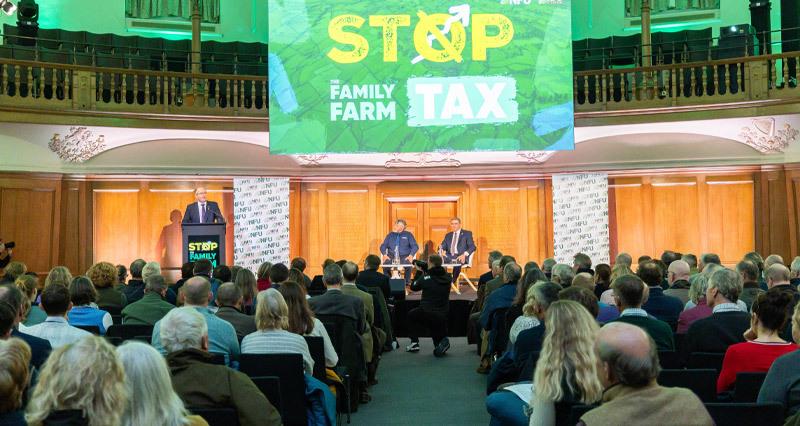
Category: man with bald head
<point>678,279</point>
<point>221,334</point>
<point>632,397</point>
<point>778,277</point>
<point>202,210</point>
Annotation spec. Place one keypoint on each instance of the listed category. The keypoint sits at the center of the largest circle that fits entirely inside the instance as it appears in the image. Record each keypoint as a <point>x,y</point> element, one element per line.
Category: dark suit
<point>40,348</point>
<point>464,244</point>
<point>373,278</point>
<point>192,213</point>
<point>406,246</point>
<point>334,302</point>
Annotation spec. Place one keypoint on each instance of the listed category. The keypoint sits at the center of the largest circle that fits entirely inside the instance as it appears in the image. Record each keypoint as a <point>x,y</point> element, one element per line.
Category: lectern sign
<point>420,75</point>
<point>204,247</point>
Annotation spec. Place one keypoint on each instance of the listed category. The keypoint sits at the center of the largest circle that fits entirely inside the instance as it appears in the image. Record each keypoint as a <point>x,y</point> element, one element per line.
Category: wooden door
<point>429,221</point>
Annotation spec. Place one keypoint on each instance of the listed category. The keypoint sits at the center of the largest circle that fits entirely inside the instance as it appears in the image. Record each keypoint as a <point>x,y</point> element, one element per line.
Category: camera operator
<point>5,253</point>
<point>434,281</point>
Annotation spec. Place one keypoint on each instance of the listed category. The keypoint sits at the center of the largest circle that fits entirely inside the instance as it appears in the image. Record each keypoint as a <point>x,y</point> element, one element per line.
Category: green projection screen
<point>351,76</point>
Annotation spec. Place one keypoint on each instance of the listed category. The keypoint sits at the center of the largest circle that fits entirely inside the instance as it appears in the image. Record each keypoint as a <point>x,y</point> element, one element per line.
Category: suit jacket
<point>463,245</point>
<point>369,316</point>
<point>334,302</point>
<point>663,307</point>
<point>373,278</point>
<point>407,244</point>
<point>40,348</point>
<point>243,324</point>
<point>192,213</point>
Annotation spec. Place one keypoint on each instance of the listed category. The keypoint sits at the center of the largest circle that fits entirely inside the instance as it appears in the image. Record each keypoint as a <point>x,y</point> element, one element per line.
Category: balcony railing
<point>755,78</point>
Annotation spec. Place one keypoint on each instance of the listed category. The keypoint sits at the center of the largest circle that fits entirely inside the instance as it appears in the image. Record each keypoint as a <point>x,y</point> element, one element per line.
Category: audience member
<point>229,300</point>
<point>302,320</point>
<point>278,274</point>
<point>12,296</point>
<point>235,269</point>
<point>562,275</point>
<point>773,259</point>
<point>134,289</point>
<point>708,259</point>
<point>581,262</point>
<point>151,399</point>
<point>13,271</point>
<point>317,284</point>
<point>300,264</point>
<point>488,275</point>
<point>222,273</point>
<point>530,276</point>
<point>349,275</point>
<point>617,271</point>
<point>778,277</point>
<point>372,277</point>
<point>221,334</point>
<point>795,272</point>
<point>628,373</point>
<point>58,275</point>
<point>541,296</point>
<point>582,295</point>
<point>151,307</point>
<point>605,312</point>
<point>570,378</point>
<point>499,299</point>
<point>602,279</point>
<point>782,384</point>
<point>663,307</point>
<point>727,322</point>
<point>262,276</point>
<point>756,258</point>
<point>547,267</point>
<point>750,285</point>
<point>690,260</point>
<point>187,270</point>
<point>669,256</point>
<point>697,296</point>
<point>764,344</point>
<point>433,308</point>
<point>248,285</point>
<point>55,329</point>
<point>643,259</point>
<point>83,295</point>
<point>630,292</point>
<point>203,269</point>
<point>200,383</point>
<point>527,320</point>
<point>678,279</point>
<point>122,274</point>
<point>104,278</point>
<point>8,316</point>
<point>30,288</point>
<point>82,383</point>
<point>295,275</point>
<point>271,336</point>
<point>15,358</point>
<point>623,259</point>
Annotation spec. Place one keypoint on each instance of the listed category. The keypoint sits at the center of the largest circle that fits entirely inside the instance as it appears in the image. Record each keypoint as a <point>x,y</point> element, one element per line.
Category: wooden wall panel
<point>116,225</point>
<point>27,217</point>
<point>731,218</point>
<point>675,215</point>
<point>499,220</point>
<point>347,235</point>
<point>630,216</point>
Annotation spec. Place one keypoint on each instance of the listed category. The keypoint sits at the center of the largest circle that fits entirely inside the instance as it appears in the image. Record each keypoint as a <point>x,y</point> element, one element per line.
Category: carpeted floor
<point>420,389</point>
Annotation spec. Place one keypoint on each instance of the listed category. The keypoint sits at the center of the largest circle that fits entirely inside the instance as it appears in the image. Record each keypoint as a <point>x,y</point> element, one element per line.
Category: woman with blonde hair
<point>58,275</point>
<point>246,282</point>
<point>151,397</point>
<point>29,285</point>
<point>15,355</point>
<point>617,271</point>
<point>569,377</point>
<point>104,277</point>
<point>700,310</point>
<point>81,383</point>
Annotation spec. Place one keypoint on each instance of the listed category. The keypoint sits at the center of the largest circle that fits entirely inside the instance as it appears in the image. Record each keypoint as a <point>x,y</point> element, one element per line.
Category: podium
<point>204,241</point>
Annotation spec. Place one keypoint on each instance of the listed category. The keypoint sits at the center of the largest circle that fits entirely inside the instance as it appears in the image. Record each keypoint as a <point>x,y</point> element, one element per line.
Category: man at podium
<point>202,210</point>
<point>457,246</point>
<point>399,247</point>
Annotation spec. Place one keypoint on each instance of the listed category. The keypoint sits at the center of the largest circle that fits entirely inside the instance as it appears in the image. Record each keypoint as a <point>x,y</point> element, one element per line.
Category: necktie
<point>202,212</point>
<point>454,246</point>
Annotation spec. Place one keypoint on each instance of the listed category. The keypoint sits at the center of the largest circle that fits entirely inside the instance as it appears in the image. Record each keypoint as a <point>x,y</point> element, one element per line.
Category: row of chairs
<point>703,382</point>
<point>723,414</point>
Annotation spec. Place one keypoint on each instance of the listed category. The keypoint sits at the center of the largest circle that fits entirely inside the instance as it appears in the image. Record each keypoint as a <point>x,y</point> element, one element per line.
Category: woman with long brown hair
<point>302,320</point>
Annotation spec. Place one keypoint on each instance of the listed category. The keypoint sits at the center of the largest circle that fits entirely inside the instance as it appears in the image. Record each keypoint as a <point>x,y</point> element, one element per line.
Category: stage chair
<point>463,275</point>
<point>222,416</point>
<point>703,382</point>
<point>746,414</point>
<point>747,386</point>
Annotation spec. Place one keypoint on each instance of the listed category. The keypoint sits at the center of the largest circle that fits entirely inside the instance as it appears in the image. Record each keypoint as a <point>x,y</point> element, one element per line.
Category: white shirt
<point>57,331</point>
<point>278,342</point>
<point>522,323</point>
<point>331,358</point>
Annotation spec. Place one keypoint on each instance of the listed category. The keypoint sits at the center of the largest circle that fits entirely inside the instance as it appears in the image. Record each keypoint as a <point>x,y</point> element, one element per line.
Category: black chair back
<point>288,368</point>
<point>499,333</point>
<point>705,360</point>
<point>270,386</point>
<point>130,331</point>
<point>577,412</point>
<point>670,359</point>
<point>528,367</point>
<point>222,416</point>
<point>348,345</point>
<point>316,345</point>
<point>747,386</point>
<point>703,382</point>
<point>90,328</point>
<point>737,414</point>
<point>217,358</point>
<point>112,309</point>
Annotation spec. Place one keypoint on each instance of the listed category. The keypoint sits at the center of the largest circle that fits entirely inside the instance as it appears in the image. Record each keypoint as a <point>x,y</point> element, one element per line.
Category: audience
<point>200,383</point>
<point>690,260</point>
<point>187,270</point>
<point>122,274</point>
<point>302,320</point>
<point>229,300</point>
<point>235,269</point>
<point>602,279</point>
<point>630,292</point>
<point>222,273</point>
<point>12,297</point>
<point>540,296</point>
<point>562,275</point>
<point>708,259</point>
<point>58,275</point>
<point>582,263</point>
<point>499,299</point>
<point>278,273</point>
<point>248,285</point>
<point>104,277</point>
<point>628,372</point>
<point>678,280</point>
<point>149,309</point>
<point>782,384</point>
<point>221,334</point>
<point>547,267</point>
<point>371,277</point>
<point>317,284</point>
<point>82,383</point>
<point>15,358</point>
<point>697,296</point>
<point>203,269</point>
<point>750,286</point>
<point>349,275</point>
<point>13,271</point>
<point>617,271</point>
<point>662,307</point>
<point>271,336</point>
<point>795,272</point>
<point>727,323</point>
<point>582,295</point>
<point>262,276</point>
<point>300,264</point>
<point>623,259</point>
<point>764,343</point>
<point>569,377</point>
<point>605,312</point>
<point>527,320</point>
<point>134,289</point>
<point>55,328</point>
<point>83,296</point>
<point>151,397</point>
<point>30,288</point>
<point>487,276</point>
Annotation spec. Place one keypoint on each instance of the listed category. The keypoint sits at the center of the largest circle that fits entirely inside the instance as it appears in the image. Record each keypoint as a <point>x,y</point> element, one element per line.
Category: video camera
<point>9,245</point>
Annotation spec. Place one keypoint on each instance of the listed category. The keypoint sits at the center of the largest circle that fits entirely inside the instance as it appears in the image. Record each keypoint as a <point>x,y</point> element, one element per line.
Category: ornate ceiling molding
<point>423,159</point>
<point>765,136</point>
<point>535,157</point>
<point>78,145</point>
<point>311,160</point>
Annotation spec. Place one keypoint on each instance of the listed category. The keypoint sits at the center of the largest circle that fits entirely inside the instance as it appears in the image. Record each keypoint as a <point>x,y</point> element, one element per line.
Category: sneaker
<point>442,347</point>
<point>413,347</point>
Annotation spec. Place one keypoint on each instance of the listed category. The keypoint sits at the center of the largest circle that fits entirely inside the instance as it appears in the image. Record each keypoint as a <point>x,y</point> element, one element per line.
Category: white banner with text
<point>261,221</point>
<point>580,217</point>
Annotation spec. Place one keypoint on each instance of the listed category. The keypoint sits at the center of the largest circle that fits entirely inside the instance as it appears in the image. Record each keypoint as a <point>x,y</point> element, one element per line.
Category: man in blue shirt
<point>399,246</point>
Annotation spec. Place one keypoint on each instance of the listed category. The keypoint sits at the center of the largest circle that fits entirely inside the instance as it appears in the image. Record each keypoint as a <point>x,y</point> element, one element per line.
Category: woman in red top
<point>262,281</point>
<point>763,345</point>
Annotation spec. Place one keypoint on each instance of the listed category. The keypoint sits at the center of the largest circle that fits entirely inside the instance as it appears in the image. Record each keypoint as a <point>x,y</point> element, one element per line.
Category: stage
<point>460,305</point>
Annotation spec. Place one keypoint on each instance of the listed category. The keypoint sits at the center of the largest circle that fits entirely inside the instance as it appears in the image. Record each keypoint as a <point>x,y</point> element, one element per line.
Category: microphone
<point>217,215</point>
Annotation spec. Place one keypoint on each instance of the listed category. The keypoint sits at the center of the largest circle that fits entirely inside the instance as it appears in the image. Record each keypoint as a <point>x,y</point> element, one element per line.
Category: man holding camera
<point>5,253</point>
<point>434,281</point>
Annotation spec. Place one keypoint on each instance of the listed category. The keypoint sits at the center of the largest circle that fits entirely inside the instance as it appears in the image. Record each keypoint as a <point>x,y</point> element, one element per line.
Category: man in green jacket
<point>151,307</point>
<point>630,293</point>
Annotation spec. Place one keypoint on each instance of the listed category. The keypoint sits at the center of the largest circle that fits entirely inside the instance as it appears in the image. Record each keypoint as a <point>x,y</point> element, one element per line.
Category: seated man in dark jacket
<point>199,382</point>
<point>370,277</point>
<point>433,307</point>
<point>229,300</point>
<point>11,295</point>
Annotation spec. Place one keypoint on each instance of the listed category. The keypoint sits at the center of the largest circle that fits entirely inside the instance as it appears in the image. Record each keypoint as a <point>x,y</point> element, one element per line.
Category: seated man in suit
<point>457,246</point>
<point>202,210</point>
<point>229,300</point>
<point>370,277</point>
<point>399,246</point>
<point>663,307</point>
<point>349,274</point>
<point>629,294</point>
<point>13,297</point>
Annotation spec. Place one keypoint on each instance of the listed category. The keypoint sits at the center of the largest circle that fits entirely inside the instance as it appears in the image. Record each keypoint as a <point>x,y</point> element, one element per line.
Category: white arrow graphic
<point>460,13</point>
